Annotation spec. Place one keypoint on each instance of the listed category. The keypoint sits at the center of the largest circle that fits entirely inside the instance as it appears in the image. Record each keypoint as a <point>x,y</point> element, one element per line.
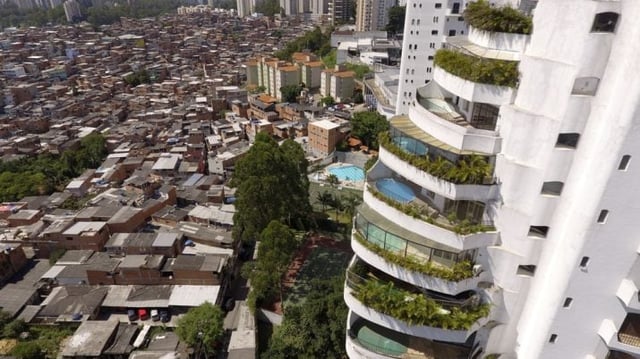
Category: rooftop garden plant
<point>416,308</point>
<point>481,15</point>
<point>472,169</point>
<point>478,69</point>
<point>459,271</point>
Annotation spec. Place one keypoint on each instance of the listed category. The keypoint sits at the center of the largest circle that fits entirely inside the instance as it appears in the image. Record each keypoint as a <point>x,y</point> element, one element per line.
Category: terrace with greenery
<point>477,69</point>
<point>473,169</point>
<point>458,272</point>
<point>427,214</point>
<point>413,307</point>
<point>481,15</point>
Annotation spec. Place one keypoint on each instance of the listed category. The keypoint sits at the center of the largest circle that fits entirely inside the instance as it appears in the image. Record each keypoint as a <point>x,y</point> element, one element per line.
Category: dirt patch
<point>7,345</point>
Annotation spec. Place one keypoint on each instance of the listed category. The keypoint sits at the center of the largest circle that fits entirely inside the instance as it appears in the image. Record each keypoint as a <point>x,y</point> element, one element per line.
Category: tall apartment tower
<point>427,24</point>
<point>372,15</point>
<point>499,220</point>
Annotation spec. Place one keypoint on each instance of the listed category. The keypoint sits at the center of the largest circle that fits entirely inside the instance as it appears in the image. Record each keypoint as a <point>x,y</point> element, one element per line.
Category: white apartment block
<point>427,25</point>
<point>337,84</point>
<point>372,15</point>
<point>499,220</point>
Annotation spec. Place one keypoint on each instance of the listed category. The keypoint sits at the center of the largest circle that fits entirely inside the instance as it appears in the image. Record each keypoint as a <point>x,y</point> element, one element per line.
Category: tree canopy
<point>290,93</point>
<point>42,174</point>
<point>396,17</point>
<point>367,125</point>
<point>202,326</point>
<point>268,7</point>
<point>272,184</point>
<point>314,40</point>
<point>277,245</point>
<point>314,329</point>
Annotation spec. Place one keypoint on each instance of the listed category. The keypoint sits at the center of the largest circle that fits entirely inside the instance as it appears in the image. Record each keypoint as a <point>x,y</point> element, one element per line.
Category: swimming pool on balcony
<point>387,342</point>
<point>395,190</point>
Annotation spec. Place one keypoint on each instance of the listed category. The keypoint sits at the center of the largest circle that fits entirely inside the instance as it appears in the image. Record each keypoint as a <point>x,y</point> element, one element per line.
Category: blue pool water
<point>348,173</point>
<point>396,190</point>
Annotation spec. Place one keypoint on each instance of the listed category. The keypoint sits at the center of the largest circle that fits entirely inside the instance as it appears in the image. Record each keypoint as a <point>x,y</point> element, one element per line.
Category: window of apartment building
<point>432,45</point>
<point>602,217</point>
<point>438,5</point>
<point>553,338</point>
<point>420,6</point>
<point>434,32</point>
<point>455,9</point>
<point>418,23</point>
<point>417,32</point>
<point>435,19</point>
<point>568,140</point>
<point>428,70</point>
<point>584,262</point>
<point>461,18</point>
<point>585,86</point>
<point>452,32</point>
<point>624,163</point>
<point>605,22</point>
<point>567,302</point>
<point>526,270</point>
<point>552,188</point>
<point>413,21</point>
<point>410,46</point>
<point>430,58</point>
<point>407,71</point>
<point>413,71</point>
<point>538,231</point>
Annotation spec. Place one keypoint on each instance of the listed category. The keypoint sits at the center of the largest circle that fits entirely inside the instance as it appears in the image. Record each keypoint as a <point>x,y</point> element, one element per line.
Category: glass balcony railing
<point>483,116</point>
<point>461,217</point>
<point>412,253</point>
<point>457,169</point>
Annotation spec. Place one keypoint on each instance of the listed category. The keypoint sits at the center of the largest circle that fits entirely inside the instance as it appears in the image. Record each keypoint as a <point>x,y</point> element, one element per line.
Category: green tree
<point>277,245</point>
<point>349,203</point>
<point>202,327</point>
<point>268,7</point>
<point>272,184</point>
<point>396,17</point>
<point>367,125</point>
<point>327,101</point>
<point>324,198</point>
<point>314,329</point>
<point>290,93</point>
<point>358,97</point>
<point>14,329</point>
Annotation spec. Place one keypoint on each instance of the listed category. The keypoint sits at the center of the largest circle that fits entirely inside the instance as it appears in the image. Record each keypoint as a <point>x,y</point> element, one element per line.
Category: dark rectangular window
<point>568,140</point>
<point>452,32</point>
<point>438,5</point>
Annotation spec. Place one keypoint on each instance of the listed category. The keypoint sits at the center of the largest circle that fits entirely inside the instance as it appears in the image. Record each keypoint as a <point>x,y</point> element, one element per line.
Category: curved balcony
<point>439,229</point>
<point>473,91</point>
<point>368,340</point>
<point>419,279</point>
<point>471,192</point>
<point>417,330</point>
<point>498,45</point>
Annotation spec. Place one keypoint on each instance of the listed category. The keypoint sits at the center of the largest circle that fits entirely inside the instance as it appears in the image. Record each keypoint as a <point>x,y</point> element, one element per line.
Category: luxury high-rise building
<point>372,15</point>
<point>499,220</point>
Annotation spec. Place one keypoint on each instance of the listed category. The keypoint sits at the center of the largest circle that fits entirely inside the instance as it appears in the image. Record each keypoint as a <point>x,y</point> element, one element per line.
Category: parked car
<point>189,243</point>
<point>165,316</point>
<point>154,315</point>
<point>143,314</point>
<point>131,313</point>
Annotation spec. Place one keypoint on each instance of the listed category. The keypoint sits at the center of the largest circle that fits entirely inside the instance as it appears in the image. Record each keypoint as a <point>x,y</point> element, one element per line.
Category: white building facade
<point>499,218</point>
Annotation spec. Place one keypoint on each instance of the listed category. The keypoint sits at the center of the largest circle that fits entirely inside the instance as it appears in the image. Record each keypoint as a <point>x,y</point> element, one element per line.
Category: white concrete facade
<point>563,277</point>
